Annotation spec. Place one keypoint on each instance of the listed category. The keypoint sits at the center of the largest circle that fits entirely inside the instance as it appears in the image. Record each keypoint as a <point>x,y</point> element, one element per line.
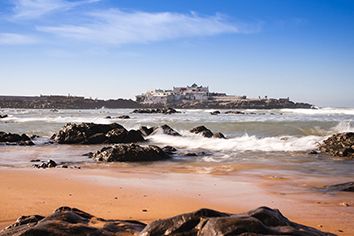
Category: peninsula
<point>194,96</point>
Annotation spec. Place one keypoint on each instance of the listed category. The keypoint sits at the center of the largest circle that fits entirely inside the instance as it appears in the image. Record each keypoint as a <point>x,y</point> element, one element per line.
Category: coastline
<point>126,194</point>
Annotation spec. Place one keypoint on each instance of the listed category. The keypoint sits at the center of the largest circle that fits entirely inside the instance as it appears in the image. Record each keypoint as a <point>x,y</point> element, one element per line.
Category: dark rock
<point>215,113</point>
<point>9,138</point>
<point>35,160</point>
<point>90,133</point>
<point>97,138</point>
<point>108,117</point>
<point>89,154</point>
<point>235,112</point>
<point>169,131</point>
<point>219,135</point>
<point>204,222</point>
<point>313,152</point>
<point>3,116</point>
<point>67,221</point>
<point>339,145</point>
<point>145,131</point>
<point>344,187</point>
<point>191,154</point>
<point>169,149</point>
<point>157,110</point>
<point>134,136</point>
<point>203,131</point>
<point>47,164</point>
<point>130,153</point>
<point>124,117</point>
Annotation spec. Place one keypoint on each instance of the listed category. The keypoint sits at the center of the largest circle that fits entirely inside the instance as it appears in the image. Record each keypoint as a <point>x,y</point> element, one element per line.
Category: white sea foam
<point>321,111</point>
<point>239,144</point>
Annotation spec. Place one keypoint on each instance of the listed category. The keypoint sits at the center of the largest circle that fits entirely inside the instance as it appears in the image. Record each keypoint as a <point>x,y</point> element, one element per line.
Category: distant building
<point>178,94</point>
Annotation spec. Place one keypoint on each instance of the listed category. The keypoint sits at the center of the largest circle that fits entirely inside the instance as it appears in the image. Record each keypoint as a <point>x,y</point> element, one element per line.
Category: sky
<point>302,49</point>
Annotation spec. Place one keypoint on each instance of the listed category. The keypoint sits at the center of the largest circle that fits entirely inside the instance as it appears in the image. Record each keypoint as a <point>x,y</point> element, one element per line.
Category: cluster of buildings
<point>177,94</point>
<point>193,93</point>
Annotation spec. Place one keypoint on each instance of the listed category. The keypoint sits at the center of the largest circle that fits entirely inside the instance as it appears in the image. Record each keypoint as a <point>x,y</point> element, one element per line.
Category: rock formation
<point>130,153</point>
<point>15,139</point>
<point>340,145</point>
<point>90,133</point>
<point>204,131</point>
<point>67,221</point>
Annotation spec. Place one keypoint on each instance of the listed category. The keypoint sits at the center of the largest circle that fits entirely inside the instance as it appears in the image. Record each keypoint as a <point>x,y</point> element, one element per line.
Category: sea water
<point>281,137</point>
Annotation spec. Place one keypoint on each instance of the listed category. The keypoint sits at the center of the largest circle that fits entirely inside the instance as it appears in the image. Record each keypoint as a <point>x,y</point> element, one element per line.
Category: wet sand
<point>145,195</point>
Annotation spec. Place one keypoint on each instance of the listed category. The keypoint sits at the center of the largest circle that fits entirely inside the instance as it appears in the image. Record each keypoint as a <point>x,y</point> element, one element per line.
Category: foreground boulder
<point>344,187</point>
<point>130,153</point>
<point>67,221</point>
<point>90,133</point>
<point>204,222</point>
<point>339,145</point>
<point>15,139</point>
<point>157,110</point>
<point>204,131</point>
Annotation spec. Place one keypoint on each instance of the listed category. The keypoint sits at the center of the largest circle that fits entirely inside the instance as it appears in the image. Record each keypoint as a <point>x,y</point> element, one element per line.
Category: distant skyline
<point>302,49</point>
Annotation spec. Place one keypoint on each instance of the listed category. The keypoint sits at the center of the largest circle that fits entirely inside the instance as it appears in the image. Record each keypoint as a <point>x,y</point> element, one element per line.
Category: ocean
<point>281,138</point>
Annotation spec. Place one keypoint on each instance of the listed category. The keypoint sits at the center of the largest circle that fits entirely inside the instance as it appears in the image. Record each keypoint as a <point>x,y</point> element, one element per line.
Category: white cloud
<point>121,27</point>
<point>16,39</point>
<point>29,9</point>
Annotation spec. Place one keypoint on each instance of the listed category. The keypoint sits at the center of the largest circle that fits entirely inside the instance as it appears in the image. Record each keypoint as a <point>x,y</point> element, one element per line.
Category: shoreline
<point>126,194</point>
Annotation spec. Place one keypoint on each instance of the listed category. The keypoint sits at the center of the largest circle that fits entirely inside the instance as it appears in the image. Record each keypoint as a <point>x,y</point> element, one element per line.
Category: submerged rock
<point>45,164</point>
<point>169,150</point>
<point>157,110</point>
<point>344,187</point>
<point>204,131</point>
<point>15,139</point>
<point>67,221</point>
<point>339,145</point>
<point>145,131</point>
<point>130,153</point>
<point>169,131</point>
<point>124,117</point>
<point>90,133</point>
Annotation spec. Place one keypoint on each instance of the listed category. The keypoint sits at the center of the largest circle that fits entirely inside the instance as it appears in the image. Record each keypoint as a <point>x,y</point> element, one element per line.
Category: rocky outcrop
<point>339,145</point>
<point>215,113</point>
<point>157,110</point>
<point>145,131</point>
<point>124,117</point>
<point>15,139</point>
<point>261,221</point>
<point>204,131</point>
<point>169,131</point>
<point>45,164</point>
<point>344,187</point>
<point>90,133</point>
<point>165,129</point>
<point>130,153</point>
<point>67,221</point>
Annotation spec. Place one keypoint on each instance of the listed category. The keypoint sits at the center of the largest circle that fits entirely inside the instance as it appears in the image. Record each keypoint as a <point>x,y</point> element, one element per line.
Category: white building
<point>178,94</point>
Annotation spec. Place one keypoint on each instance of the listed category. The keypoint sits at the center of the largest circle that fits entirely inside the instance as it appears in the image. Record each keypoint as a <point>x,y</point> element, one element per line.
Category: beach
<point>248,170</point>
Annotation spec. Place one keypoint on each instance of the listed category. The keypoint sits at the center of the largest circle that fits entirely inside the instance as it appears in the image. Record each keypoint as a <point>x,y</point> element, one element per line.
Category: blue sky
<point>302,49</point>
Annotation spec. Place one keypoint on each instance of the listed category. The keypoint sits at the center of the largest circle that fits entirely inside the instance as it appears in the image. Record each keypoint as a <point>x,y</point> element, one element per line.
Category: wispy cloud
<point>16,39</point>
<point>29,9</point>
<point>117,27</point>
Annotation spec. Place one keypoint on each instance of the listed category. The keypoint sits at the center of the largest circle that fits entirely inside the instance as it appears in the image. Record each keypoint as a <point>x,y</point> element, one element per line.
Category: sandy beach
<point>144,195</point>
